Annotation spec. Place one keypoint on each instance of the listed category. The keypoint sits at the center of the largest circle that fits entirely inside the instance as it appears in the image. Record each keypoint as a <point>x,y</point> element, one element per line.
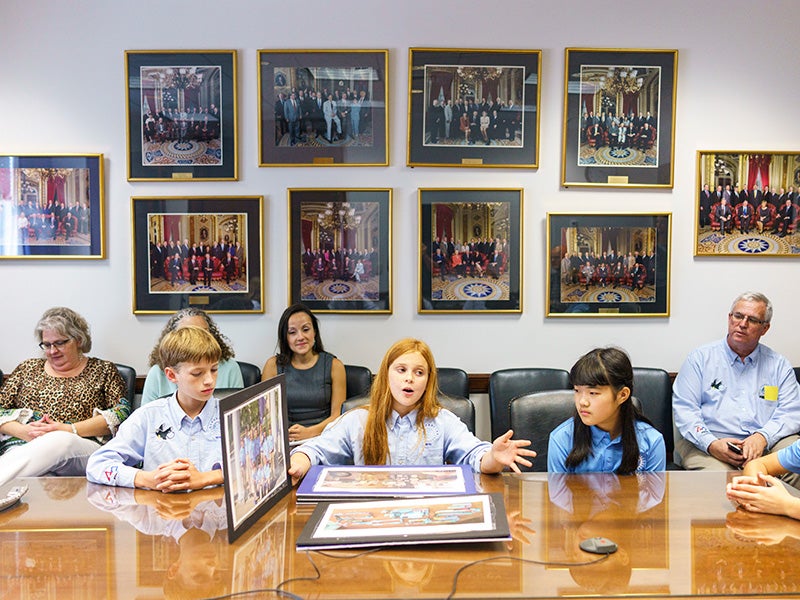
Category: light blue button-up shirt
<point>445,440</point>
<point>156,434</point>
<point>716,395</point>
<point>605,455</point>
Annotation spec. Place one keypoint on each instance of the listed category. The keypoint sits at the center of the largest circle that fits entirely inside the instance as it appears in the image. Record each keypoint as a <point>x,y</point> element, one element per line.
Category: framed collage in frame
<point>340,249</point>
<point>608,265</point>
<point>747,203</point>
<point>202,251</point>
<point>52,206</point>
<point>181,114</point>
<point>473,108</point>
<point>619,118</point>
<point>323,108</point>
<point>470,257</point>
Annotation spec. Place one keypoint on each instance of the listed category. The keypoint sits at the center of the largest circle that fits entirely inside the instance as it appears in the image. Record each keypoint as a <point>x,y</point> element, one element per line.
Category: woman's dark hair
<point>611,367</point>
<point>284,356</point>
<point>172,325</point>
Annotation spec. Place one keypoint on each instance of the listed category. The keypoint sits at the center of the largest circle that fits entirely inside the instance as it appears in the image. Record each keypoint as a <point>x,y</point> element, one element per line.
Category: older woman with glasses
<point>53,410</point>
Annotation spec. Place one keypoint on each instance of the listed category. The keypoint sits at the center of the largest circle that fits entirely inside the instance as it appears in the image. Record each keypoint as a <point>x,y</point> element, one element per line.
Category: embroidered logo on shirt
<point>717,385</point>
<point>111,474</point>
<point>164,432</point>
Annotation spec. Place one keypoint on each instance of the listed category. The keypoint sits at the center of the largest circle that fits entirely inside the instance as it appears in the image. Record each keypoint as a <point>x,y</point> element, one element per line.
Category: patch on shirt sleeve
<point>111,475</point>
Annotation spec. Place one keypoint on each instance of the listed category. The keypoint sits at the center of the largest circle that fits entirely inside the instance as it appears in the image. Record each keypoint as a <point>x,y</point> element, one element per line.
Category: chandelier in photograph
<point>338,215</point>
<point>479,73</point>
<point>180,77</point>
<point>621,80</point>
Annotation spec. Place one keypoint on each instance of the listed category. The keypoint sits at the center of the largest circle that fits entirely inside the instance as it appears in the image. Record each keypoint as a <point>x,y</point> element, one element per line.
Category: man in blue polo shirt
<point>735,400</point>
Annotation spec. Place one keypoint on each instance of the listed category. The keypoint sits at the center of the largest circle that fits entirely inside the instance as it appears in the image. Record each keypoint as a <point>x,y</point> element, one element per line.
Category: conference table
<point>677,536</point>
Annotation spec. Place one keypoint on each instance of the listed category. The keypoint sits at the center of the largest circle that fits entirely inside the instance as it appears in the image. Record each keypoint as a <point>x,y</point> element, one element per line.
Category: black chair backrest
<point>653,389</point>
<point>1,378</point>
<point>796,374</point>
<point>534,416</point>
<point>463,408</point>
<point>453,382</point>
<point>359,380</point>
<point>506,384</point>
<point>251,374</point>
<point>129,377</point>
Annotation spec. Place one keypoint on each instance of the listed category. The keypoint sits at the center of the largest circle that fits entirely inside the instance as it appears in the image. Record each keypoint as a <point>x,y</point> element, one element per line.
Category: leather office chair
<point>359,380</point>
<point>534,416</point>
<point>653,389</point>
<point>796,374</point>
<point>1,378</point>
<point>251,374</point>
<point>453,382</point>
<point>129,377</point>
<point>506,384</point>
<point>463,408</point>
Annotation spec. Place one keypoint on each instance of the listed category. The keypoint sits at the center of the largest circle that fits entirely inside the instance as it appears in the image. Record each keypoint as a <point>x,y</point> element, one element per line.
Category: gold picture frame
<point>619,118</point>
<point>347,127</point>
<point>497,92</point>
<point>181,115</point>
<point>470,250</point>
<point>754,228</point>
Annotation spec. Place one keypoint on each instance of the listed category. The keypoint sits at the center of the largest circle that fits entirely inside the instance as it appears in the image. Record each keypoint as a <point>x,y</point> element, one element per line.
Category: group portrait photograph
<point>747,204</point>
<point>619,116</point>
<point>197,253</point>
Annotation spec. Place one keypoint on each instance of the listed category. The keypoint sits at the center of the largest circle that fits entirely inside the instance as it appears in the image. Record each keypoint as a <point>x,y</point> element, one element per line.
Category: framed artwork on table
<point>323,108</point>
<point>747,203</point>
<point>51,206</point>
<point>619,118</point>
<point>608,265</point>
<point>340,249</point>
<point>181,113</point>
<point>254,481</point>
<point>470,257</point>
<point>473,108</point>
<point>203,251</point>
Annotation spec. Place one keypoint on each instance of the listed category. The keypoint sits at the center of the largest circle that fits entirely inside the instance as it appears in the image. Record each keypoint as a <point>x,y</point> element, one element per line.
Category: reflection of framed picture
<point>51,206</point>
<point>604,265</point>
<point>747,203</point>
<point>84,574</point>
<point>470,250</point>
<point>340,249</point>
<point>181,115</point>
<point>197,251</point>
<point>255,451</point>
<point>323,107</point>
<point>619,117</point>
<point>250,570</point>
<point>475,108</point>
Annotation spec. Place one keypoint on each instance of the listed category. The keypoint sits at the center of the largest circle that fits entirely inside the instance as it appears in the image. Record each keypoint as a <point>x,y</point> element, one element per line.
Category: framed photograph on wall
<point>254,416</point>
<point>608,265</point>
<point>619,118</point>
<point>51,206</point>
<point>340,249</point>
<point>203,251</point>
<point>181,113</point>
<point>747,203</point>
<point>470,257</point>
<point>473,108</point>
<point>323,108</point>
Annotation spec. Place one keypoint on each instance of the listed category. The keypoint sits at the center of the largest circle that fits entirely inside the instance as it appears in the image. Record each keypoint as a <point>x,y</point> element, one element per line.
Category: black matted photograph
<point>323,108</point>
<point>197,251</point>
<point>51,206</point>
<point>473,108</point>
<point>470,244</point>
<point>619,117</point>
<point>608,265</point>
<point>340,249</point>
<point>747,204</point>
<point>181,115</point>
<point>255,452</point>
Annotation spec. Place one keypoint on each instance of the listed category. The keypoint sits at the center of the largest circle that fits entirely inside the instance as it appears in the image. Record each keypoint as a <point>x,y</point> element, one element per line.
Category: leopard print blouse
<point>65,399</point>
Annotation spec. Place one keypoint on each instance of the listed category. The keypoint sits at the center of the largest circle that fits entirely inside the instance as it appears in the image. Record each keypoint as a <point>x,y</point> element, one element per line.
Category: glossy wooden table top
<point>678,536</point>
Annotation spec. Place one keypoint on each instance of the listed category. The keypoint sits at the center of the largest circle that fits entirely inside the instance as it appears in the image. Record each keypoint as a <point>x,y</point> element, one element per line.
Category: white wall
<point>62,90</point>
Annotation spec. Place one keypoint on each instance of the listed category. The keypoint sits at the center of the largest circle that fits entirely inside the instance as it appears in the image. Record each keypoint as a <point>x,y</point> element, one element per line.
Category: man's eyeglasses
<point>739,317</point>
<point>57,345</point>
